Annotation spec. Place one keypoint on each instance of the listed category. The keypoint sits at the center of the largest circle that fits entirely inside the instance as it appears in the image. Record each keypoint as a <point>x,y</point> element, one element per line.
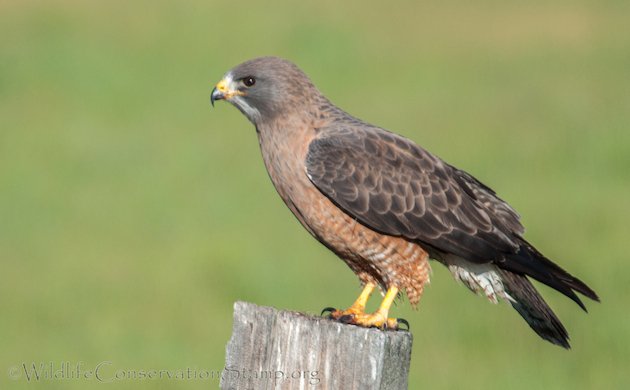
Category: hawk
<point>385,205</point>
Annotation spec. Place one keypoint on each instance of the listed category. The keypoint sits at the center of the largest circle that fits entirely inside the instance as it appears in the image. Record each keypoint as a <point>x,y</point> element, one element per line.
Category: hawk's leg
<point>358,307</point>
<point>356,314</point>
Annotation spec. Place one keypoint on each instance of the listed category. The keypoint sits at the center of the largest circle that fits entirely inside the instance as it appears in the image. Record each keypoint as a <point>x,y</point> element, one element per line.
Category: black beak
<point>216,95</point>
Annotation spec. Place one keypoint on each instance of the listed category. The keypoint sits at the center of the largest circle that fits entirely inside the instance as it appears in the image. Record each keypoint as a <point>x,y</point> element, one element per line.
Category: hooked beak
<point>224,90</point>
<point>216,95</point>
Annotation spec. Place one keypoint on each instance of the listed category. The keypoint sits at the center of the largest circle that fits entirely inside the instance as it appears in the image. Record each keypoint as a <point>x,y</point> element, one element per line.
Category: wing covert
<point>397,188</point>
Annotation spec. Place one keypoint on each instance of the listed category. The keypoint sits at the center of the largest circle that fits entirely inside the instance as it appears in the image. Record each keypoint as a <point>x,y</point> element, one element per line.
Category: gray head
<point>266,87</point>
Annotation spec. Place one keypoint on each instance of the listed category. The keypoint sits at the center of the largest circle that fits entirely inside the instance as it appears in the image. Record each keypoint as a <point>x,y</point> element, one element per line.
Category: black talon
<point>328,309</point>
<point>403,321</point>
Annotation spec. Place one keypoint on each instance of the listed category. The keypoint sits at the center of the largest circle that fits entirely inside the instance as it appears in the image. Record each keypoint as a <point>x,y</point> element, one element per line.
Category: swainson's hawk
<point>385,205</point>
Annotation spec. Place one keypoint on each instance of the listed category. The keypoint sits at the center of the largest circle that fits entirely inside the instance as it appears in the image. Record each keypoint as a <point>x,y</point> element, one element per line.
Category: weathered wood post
<point>272,349</point>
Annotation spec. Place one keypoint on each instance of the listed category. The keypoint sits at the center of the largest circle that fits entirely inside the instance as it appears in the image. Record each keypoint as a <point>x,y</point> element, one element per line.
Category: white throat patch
<point>250,112</point>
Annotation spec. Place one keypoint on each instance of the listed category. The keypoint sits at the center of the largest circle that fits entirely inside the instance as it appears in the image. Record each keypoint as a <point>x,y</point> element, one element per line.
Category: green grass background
<point>132,215</point>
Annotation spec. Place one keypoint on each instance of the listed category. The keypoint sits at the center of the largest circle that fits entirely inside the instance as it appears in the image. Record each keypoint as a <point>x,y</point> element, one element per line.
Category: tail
<point>534,310</point>
<point>528,261</point>
<point>528,302</point>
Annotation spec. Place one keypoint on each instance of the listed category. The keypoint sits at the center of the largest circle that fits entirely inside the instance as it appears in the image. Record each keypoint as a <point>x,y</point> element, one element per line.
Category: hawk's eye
<point>249,81</point>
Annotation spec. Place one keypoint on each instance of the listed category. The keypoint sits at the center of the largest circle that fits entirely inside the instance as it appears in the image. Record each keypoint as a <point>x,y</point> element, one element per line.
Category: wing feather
<point>393,186</point>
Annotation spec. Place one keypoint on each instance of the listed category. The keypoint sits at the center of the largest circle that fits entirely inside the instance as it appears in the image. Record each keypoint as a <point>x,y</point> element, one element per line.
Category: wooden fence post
<point>273,349</point>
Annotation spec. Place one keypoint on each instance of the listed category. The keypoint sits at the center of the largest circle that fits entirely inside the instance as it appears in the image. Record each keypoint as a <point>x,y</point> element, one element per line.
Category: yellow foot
<point>373,320</point>
<point>356,314</point>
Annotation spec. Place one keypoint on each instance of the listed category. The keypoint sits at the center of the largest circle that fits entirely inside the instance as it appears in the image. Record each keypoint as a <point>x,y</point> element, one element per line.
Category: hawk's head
<point>265,87</point>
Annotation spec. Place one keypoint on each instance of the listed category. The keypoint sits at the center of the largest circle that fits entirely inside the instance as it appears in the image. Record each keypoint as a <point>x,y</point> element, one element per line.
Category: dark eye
<point>249,81</point>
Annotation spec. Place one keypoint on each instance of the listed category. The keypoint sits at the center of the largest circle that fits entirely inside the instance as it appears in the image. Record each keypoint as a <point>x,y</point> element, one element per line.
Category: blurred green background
<point>132,215</point>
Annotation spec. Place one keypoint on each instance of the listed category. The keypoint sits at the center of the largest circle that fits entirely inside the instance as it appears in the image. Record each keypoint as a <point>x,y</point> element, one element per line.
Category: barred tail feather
<point>531,306</point>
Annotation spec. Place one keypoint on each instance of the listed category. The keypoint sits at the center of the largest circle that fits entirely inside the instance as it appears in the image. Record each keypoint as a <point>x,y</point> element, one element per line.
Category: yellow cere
<point>225,87</point>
